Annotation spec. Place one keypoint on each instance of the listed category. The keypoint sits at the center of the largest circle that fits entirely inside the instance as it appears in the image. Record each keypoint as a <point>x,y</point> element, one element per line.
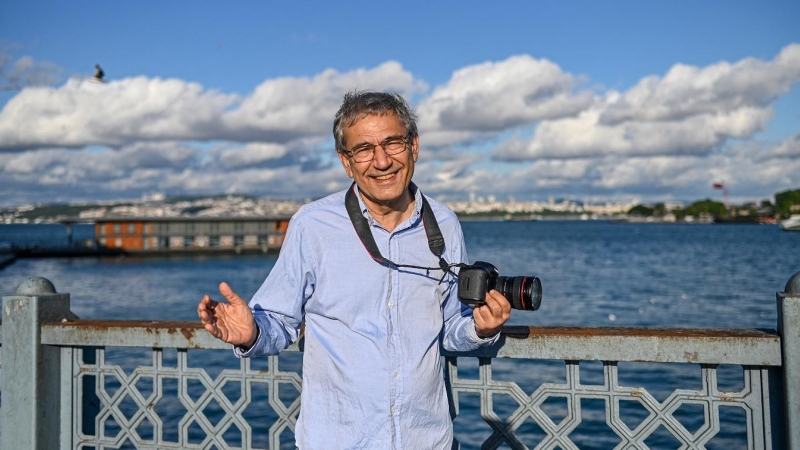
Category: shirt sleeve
<point>278,305</point>
<point>459,325</point>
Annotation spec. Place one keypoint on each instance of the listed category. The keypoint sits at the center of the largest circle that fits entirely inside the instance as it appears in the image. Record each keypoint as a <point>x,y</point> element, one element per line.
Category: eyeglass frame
<point>365,146</point>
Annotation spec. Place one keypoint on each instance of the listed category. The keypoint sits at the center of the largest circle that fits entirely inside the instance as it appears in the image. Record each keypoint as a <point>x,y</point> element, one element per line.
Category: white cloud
<point>584,136</point>
<point>677,177</point>
<point>88,165</point>
<point>652,173</point>
<point>456,178</point>
<point>687,91</point>
<point>666,137</point>
<point>255,153</point>
<point>149,155</point>
<point>495,96</point>
<point>172,167</point>
<point>285,182</point>
<point>790,148</point>
<point>288,108</point>
<point>25,71</point>
<point>82,112</point>
<point>664,178</point>
<point>690,111</point>
<point>30,162</point>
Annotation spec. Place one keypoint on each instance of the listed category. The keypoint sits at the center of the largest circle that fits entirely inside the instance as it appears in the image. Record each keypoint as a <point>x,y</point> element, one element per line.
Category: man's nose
<point>381,160</point>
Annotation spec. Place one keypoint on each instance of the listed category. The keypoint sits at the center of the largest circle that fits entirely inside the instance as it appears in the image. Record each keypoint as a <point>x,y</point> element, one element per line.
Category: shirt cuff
<point>240,352</point>
<point>472,333</point>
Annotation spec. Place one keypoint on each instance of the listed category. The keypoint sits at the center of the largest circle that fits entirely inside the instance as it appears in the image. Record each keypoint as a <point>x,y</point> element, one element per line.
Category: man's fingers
<point>494,312</point>
<point>226,321</point>
<point>228,293</point>
<point>499,303</point>
<point>480,314</point>
<point>490,316</point>
<point>490,304</point>
<point>206,307</point>
<point>494,303</point>
<point>206,303</point>
<point>213,329</point>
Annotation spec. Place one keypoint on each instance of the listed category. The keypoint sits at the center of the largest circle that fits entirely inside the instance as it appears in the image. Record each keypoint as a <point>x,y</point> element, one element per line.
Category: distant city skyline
<point>616,101</point>
<point>157,205</point>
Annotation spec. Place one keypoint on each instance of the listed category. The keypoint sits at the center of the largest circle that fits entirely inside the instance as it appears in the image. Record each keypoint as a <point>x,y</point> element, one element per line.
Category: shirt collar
<point>413,220</point>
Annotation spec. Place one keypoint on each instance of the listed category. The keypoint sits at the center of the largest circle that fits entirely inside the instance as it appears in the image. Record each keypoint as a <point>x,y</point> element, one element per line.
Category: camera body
<point>475,280</point>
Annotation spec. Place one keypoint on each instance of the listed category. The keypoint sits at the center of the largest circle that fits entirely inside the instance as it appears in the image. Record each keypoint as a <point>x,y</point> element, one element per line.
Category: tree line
<point>786,203</point>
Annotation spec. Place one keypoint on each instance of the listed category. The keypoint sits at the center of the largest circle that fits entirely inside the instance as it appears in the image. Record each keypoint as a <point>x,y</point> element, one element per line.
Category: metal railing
<point>69,383</point>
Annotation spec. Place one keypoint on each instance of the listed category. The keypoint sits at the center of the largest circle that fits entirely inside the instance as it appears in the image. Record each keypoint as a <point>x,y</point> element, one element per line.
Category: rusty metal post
<point>30,380</point>
<point>789,330</point>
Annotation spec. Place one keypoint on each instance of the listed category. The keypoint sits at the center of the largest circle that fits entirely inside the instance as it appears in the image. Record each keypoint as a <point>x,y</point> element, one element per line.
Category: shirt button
<point>394,374</point>
<point>391,410</point>
<point>389,304</point>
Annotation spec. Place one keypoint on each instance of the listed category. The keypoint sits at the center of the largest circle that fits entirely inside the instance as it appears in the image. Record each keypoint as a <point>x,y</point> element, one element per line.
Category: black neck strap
<point>361,224</point>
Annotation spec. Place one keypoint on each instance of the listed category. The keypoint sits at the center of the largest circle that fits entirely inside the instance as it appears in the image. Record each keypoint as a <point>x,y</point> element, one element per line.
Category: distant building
<point>191,234</point>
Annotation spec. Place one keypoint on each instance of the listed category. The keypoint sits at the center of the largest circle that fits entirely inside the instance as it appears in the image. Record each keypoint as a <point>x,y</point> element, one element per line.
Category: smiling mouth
<point>385,177</point>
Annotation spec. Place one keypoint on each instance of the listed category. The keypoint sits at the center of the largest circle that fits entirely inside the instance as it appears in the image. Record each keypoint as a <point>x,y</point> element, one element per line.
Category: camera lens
<point>522,292</point>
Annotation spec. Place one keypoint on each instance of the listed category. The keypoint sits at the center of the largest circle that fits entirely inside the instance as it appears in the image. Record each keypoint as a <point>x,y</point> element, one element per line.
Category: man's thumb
<point>228,293</point>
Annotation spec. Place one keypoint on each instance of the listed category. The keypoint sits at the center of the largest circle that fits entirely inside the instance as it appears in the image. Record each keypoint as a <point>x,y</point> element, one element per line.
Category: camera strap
<point>361,224</point>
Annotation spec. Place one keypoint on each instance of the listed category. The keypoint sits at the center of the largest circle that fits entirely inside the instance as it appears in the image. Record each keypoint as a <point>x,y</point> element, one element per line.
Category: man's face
<point>383,182</point>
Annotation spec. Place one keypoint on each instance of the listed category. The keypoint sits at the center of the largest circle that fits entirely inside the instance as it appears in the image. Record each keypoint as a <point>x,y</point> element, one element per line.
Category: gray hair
<point>358,104</point>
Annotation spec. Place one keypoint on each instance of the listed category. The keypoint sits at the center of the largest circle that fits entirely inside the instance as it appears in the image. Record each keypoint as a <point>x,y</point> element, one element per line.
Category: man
<point>372,375</point>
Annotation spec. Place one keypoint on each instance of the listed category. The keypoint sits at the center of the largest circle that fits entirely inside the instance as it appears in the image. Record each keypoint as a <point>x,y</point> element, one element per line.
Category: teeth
<point>384,177</point>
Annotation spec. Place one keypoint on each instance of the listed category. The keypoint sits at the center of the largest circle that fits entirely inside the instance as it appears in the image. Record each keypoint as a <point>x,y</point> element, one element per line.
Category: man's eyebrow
<point>389,138</point>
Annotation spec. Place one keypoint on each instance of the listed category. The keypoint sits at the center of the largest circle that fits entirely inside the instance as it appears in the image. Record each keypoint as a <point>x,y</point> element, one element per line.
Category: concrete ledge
<point>673,345</point>
<point>677,345</point>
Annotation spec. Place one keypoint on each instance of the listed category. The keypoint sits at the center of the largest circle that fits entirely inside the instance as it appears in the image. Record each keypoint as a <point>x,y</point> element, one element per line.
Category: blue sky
<point>590,100</point>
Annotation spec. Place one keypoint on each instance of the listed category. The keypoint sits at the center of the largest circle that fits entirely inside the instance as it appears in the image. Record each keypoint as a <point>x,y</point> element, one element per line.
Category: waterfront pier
<point>60,390</point>
<point>161,236</point>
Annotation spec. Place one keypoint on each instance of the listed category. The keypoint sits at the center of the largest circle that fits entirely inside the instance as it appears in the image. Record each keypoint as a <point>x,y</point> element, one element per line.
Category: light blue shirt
<point>372,372</point>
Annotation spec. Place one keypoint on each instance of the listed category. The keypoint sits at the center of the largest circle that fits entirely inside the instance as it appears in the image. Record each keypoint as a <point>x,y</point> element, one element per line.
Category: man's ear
<point>345,163</point>
<point>415,148</point>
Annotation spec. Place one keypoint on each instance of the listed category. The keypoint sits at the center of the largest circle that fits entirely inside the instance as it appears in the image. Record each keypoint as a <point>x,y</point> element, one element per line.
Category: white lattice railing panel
<point>175,405</point>
<point>555,415</point>
<point>542,388</point>
<point>182,407</point>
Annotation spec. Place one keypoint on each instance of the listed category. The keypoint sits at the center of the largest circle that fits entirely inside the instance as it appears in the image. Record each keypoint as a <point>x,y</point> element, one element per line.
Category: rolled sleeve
<point>278,304</point>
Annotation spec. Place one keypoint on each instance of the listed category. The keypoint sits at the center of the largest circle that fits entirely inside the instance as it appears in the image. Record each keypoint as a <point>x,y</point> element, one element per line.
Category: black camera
<point>475,280</point>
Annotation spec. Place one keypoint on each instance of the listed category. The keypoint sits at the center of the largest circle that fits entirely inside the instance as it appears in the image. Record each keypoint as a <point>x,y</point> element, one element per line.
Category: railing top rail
<point>641,344</point>
<point>642,332</point>
<point>130,333</point>
<point>693,345</point>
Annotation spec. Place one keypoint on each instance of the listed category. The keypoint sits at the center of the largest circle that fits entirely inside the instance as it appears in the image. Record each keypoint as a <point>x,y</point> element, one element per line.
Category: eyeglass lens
<point>366,152</point>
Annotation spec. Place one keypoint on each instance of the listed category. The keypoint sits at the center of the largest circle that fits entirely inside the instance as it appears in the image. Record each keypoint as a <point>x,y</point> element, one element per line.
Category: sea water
<point>593,273</point>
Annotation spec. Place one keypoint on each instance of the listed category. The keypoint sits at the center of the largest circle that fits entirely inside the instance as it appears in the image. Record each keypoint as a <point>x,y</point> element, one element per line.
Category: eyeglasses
<point>366,152</point>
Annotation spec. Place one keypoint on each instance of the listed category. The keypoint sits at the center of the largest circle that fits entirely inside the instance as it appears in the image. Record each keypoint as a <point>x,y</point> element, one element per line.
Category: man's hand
<point>231,322</point>
<point>490,316</point>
